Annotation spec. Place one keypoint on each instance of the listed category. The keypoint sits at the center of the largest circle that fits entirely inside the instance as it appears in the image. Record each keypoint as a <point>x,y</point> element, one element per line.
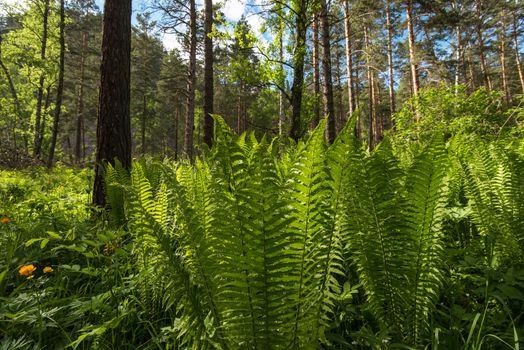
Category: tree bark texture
<point>349,58</point>
<point>60,88</point>
<point>191,81</point>
<point>327,81</point>
<point>480,41</point>
<point>114,126</point>
<point>392,106</point>
<point>208,73</point>
<point>316,73</point>
<point>411,42</point>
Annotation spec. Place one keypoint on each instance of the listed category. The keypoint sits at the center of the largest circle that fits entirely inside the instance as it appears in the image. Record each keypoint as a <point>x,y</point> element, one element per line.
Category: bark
<point>114,126</point>
<point>208,73</point>
<point>349,58</point>
<point>371,90</point>
<point>79,155</point>
<point>316,74</point>
<point>298,69</point>
<point>503,72</point>
<point>281,97</point>
<point>392,106</point>
<point>143,125</point>
<point>16,102</point>
<point>411,42</point>
<point>341,116</point>
<point>480,40</point>
<point>517,53</point>
<point>191,81</point>
<point>60,88</point>
<point>327,81</point>
<point>39,130</point>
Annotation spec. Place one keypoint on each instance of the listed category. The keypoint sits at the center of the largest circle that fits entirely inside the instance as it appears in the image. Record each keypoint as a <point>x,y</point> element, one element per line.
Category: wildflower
<point>48,269</point>
<point>4,220</point>
<point>27,270</point>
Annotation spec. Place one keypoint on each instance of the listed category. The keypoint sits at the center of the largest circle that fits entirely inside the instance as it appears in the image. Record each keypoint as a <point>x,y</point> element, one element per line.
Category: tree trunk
<point>298,69</point>
<point>392,107</point>
<point>371,90</point>
<point>79,156</point>
<point>143,125</point>
<point>281,97</point>
<point>37,144</point>
<point>191,81</point>
<point>327,81</point>
<point>517,53</point>
<point>503,73</point>
<point>349,58</point>
<point>341,116</point>
<point>208,73</point>
<point>60,88</point>
<point>483,64</point>
<point>316,74</point>
<point>114,126</point>
<point>411,42</point>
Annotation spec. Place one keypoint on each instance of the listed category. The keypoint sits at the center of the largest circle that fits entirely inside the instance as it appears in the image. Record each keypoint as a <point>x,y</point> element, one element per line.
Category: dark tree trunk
<point>208,73</point>
<point>191,81</point>
<point>143,125</point>
<point>298,70</point>
<point>316,74</point>
<point>327,81</point>
<point>79,156</point>
<point>60,88</point>
<point>371,91</point>
<point>39,130</point>
<point>114,126</point>
<point>503,72</point>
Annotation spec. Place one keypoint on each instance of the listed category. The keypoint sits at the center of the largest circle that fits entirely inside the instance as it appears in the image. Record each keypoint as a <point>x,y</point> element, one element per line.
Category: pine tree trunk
<point>411,42</point>
<point>281,97</point>
<point>349,58</point>
<point>60,88</point>
<point>517,53</point>
<point>191,82</point>
<point>208,73</point>
<point>341,116</point>
<point>480,40</point>
<point>79,156</point>
<point>327,81</point>
<point>114,126</point>
<point>316,73</point>
<point>143,126</point>
<point>392,107</point>
<point>298,70</point>
<point>39,130</point>
<point>371,90</point>
<point>503,72</point>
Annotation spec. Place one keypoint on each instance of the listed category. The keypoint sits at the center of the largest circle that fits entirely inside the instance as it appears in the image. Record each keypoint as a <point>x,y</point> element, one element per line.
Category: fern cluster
<point>249,246</point>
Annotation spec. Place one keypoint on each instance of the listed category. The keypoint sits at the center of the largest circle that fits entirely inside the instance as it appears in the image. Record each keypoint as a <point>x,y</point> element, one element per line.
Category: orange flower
<point>27,270</point>
<point>48,269</point>
<point>4,220</point>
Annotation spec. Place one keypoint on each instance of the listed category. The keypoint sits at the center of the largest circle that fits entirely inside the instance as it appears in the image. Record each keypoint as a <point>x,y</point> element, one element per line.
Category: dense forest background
<point>306,60</point>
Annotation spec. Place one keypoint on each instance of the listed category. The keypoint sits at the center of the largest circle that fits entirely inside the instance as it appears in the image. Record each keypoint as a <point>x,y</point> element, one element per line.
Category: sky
<point>232,9</point>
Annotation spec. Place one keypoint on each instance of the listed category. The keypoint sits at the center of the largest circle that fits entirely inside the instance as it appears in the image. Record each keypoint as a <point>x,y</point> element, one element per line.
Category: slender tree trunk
<point>39,130</point>
<point>349,58</point>
<point>191,81</point>
<point>80,103</point>
<point>60,88</point>
<point>281,97</point>
<point>114,125</point>
<point>327,81</point>
<point>208,73</point>
<point>371,90</point>
<point>316,73</point>
<point>392,107</point>
<point>298,70</point>
<point>341,116</point>
<point>472,84</point>
<point>143,126</point>
<point>517,53</point>
<point>16,102</point>
<point>480,40</point>
<point>503,72</point>
<point>411,42</point>
<point>458,58</point>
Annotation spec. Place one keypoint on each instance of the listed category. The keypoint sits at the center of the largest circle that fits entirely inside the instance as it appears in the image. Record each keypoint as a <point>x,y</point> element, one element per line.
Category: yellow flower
<point>4,220</point>
<point>48,269</point>
<point>27,270</point>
